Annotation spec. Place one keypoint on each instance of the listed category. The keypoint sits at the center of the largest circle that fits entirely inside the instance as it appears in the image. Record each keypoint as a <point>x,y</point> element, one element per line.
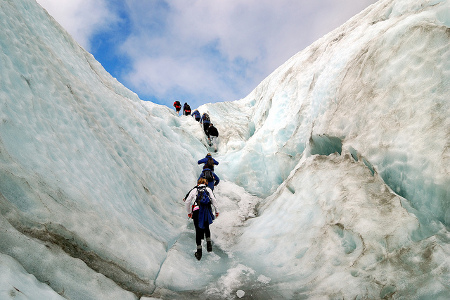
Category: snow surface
<point>334,170</point>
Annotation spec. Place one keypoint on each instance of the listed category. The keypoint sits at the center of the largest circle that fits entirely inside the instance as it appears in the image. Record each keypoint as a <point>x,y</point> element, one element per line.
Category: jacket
<point>204,120</point>
<point>205,160</point>
<point>196,114</point>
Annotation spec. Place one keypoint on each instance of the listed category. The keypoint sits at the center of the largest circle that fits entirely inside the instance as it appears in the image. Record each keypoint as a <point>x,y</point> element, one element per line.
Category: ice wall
<point>90,176</point>
<point>371,99</point>
<point>380,84</point>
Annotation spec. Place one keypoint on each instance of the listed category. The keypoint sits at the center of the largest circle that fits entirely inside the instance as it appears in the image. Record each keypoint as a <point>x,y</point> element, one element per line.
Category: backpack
<point>177,104</point>
<point>208,175</point>
<point>206,117</point>
<point>187,108</point>
<point>202,197</point>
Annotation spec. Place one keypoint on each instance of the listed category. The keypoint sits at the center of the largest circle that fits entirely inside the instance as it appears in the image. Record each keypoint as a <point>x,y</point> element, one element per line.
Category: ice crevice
<point>169,248</point>
<point>55,235</point>
<point>324,144</point>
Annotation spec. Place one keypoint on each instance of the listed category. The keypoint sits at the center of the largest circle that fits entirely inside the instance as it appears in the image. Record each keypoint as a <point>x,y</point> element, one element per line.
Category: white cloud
<point>200,44</point>
<point>81,18</point>
<point>208,49</point>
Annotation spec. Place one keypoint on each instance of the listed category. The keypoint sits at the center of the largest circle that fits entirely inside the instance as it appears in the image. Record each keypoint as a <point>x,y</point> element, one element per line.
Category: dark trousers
<point>199,233</point>
<point>205,127</point>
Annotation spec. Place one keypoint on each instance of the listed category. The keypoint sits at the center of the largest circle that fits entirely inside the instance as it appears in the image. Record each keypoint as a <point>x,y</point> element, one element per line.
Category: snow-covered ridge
<point>346,144</point>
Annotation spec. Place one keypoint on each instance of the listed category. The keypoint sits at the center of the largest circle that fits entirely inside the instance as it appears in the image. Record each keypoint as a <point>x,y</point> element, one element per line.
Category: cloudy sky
<point>197,51</point>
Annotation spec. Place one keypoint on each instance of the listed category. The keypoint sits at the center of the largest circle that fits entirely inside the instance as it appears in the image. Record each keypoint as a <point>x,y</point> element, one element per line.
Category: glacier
<point>334,170</point>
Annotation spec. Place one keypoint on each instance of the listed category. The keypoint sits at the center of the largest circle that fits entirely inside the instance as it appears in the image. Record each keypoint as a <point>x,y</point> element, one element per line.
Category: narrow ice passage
<point>334,170</point>
<point>181,272</point>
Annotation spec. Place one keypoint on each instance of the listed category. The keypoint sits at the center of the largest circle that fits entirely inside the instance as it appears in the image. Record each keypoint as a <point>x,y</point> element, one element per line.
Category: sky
<point>197,51</point>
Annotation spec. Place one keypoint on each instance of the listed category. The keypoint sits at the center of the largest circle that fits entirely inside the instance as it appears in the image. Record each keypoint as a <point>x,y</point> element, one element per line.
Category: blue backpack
<point>203,197</point>
<point>205,215</point>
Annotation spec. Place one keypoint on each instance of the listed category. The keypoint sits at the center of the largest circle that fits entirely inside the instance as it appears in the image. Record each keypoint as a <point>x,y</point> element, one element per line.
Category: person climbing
<point>205,121</point>
<point>186,109</point>
<point>212,134</point>
<point>210,176</point>
<point>177,106</point>
<point>198,207</point>
<point>208,162</point>
<point>196,115</point>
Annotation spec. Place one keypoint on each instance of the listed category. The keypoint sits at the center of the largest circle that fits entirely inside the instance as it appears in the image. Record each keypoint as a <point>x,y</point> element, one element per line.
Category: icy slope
<point>91,177</point>
<point>372,223</point>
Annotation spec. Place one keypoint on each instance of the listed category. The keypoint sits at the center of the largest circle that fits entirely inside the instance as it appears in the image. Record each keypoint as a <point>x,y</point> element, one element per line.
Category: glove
<point>217,214</point>
<point>190,216</point>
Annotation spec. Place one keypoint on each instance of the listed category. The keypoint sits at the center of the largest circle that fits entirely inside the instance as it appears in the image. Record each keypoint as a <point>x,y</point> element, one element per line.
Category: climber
<point>196,115</point>
<point>208,162</point>
<point>198,206</point>
<point>212,134</point>
<point>205,121</point>
<point>211,177</point>
<point>186,109</point>
<point>177,106</point>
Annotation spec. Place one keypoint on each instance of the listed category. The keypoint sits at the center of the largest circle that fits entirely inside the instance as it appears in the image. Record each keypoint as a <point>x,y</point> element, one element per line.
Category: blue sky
<point>197,51</point>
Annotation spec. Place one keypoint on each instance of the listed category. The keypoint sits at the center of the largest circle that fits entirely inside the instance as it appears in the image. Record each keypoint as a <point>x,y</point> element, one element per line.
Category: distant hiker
<point>208,162</point>
<point>211,177</point>
<point>196,115</point>
<point>212,134</point>
<point>198,207</point>
<point>177,106</point>
<point>186,109</point>
<point>205,121</point>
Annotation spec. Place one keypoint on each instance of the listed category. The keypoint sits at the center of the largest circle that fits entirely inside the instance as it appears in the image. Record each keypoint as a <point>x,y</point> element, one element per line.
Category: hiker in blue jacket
<point>196,115</point>
<point>211,177</point>
<point>201,214</point>
<point>208,162</point>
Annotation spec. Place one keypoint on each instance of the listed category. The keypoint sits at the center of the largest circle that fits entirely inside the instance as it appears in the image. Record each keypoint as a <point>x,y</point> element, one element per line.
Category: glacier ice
<point>335,170</point>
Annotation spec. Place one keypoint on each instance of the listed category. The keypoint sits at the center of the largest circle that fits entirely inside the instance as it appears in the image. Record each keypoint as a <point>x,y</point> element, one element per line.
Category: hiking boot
<point>208,246</point>
<point>198,254</point>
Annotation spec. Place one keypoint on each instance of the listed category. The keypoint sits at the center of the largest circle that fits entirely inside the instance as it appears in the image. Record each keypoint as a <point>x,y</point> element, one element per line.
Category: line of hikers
<point>186,108</point>
<point>208,127</point>
<point>199,202</point>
